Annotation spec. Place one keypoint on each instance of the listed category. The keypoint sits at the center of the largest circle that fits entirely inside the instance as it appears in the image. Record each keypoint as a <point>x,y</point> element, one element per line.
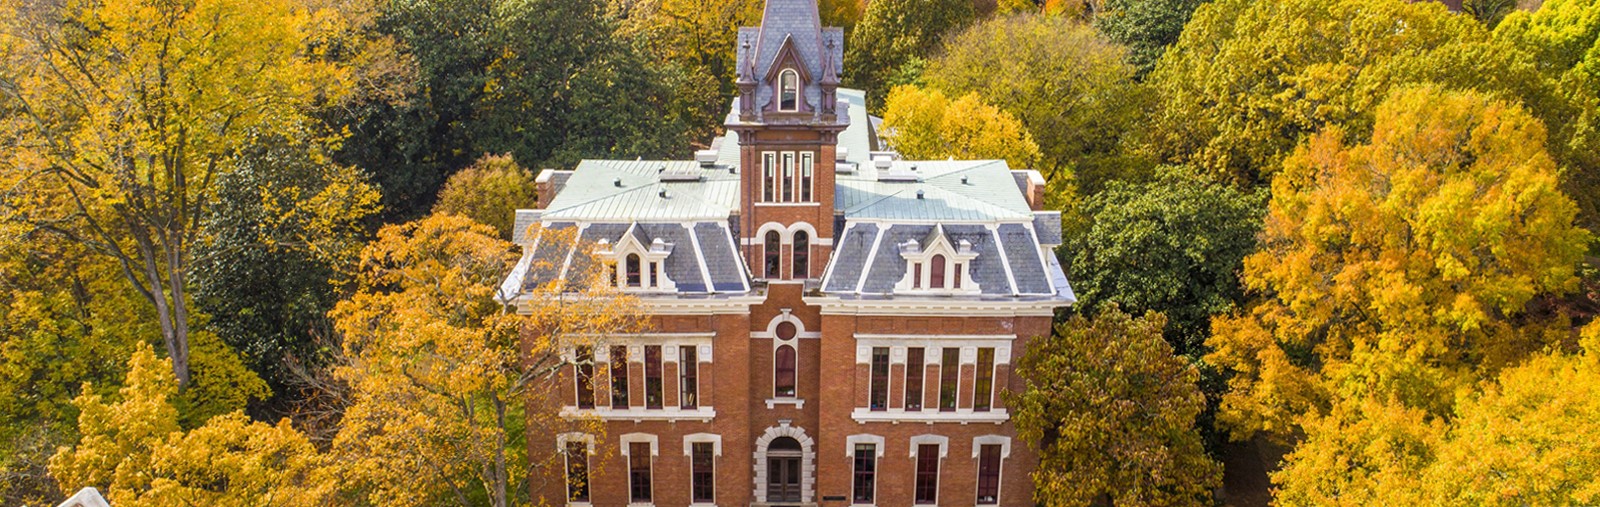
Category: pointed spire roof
<point>819,50</point>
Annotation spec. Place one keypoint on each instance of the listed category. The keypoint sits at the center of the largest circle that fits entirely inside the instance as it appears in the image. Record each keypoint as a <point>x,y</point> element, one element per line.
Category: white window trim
<point>561,446</point>
<point>808,461</point>
<point>636,438</point>
<point>655,254</point>
<point>944,450</point>
<point>933,354</point>
<point>655,450</point>
<point>806,192</point>
<point>716,454</point>
<point>1005,453</point>
<point>669,343</point>
<point>799,91</point>
<point>850,454</point>
<point>785,315</point>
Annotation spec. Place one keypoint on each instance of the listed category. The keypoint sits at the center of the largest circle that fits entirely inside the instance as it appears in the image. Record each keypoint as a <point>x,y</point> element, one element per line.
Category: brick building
<point>830,324</point>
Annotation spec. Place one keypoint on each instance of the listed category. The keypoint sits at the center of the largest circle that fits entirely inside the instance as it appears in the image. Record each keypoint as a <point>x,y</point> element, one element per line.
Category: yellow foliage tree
<point>488,192</point>
<point>1400,269</point>
<point>126,111</point>
<point>925,124</point>
<point>136,453</point>
<point>441,361</point>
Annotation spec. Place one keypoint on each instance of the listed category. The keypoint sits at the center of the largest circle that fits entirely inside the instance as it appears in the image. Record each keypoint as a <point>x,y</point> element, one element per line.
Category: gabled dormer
<point>788,78</point>
<point>636,266</point>
<point>937,266</point>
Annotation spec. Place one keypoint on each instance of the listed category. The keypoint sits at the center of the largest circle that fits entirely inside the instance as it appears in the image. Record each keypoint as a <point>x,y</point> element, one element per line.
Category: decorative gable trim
<point>937,268</point>
<point>651,267</point>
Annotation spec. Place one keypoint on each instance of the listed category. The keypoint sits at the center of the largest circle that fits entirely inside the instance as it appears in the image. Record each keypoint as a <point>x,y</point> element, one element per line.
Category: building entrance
<point>783,471</point>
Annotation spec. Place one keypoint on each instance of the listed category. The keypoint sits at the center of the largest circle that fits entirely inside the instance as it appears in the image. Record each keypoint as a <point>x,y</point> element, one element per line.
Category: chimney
<point>1031,183</point>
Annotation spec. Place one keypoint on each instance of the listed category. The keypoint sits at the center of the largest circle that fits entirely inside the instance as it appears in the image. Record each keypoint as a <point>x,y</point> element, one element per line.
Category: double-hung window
<point>702,473</point>
<point>652,376</point>
<point>949,378</point>
<point>879,394</point>
<point>689,377</point>
<point>583,375</point>
<point>864,482</point>
<point>639,472</point>
<point>619,377</point>
<point>926,488</point>
<point>983,387</point>
<point>577,454</point>
<point>988,474</point>
<point>915,368</point>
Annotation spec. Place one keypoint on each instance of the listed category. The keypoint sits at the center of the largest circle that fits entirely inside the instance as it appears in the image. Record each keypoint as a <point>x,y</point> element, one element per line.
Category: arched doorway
<point>785,466</point>
<point>783,470</point>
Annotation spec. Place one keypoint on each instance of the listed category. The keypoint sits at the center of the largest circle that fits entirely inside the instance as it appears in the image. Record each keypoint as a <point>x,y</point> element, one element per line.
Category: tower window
<point>801,255</point>
<point>788,176</point>
<point>783,372</point>
<point>774,256</point>
<point>788,90</point>
<point>769,175</point>
<point>807,163</point>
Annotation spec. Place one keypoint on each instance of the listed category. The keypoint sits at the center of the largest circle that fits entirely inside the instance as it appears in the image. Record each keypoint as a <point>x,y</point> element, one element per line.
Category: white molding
<point>636,438</point>
<point>1003,441</point>
<point>697,438</point>
<point>930,416</point>
<point>787,204</point>
<point>574,436</point>
<point>808,461</point>
<point>797,402</point>
<point>639,414</point>
<point>934,307</point>
<point>940,440</point>
<point>863,438</point>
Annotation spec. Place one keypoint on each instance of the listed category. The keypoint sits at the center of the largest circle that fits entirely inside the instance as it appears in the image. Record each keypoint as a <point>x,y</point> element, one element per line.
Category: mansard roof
<point>797,23</point>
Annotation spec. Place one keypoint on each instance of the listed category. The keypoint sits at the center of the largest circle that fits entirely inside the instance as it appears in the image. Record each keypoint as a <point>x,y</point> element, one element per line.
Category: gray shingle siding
<point>1048,225</point>
<point>609,232</point>
<point>683,265</point>
<point>525,220</point>
<point>548,256</point>
<point>888,267</point>
<point>1022,250</point>
<point>987,269</point>
<point>851,257</point>
<point>727,273</point>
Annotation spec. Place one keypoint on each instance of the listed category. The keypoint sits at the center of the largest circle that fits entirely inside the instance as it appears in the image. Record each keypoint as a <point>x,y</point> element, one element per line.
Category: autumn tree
<point>129,112</point>
<point>888,46</point>
<point>925,124</point>
<point>441,362</point>
<point>1111,411</point>
<point>489,192</point>
<point>1071,88</point>
<point>1248,81</point>
<point>135,452</point>
<point>1399,271</point>
<point>1174,245</point>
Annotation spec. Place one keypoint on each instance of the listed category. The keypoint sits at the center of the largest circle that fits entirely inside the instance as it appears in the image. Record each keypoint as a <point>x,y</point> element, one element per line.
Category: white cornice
<point>937,307</point>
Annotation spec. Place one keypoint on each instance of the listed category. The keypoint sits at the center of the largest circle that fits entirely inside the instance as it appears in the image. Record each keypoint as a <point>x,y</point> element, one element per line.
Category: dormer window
<point>788,91</point>
<point>635,266</point>
<point>940,268</point>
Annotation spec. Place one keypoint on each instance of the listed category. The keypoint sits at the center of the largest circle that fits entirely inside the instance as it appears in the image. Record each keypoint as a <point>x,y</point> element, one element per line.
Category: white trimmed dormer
<point>636,267</point>
<point>938,267</point>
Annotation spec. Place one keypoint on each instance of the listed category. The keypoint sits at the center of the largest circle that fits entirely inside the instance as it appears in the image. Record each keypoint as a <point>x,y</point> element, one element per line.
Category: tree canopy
<point>888,46</point>
<point>925,124</point>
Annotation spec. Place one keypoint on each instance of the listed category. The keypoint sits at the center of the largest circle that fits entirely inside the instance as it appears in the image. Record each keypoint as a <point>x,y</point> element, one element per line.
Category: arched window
<point>936,273</point>
<point>635,277</point>
<point>773,254</point>
<point>788,90</point>
<point>802,255</point>
<point>783,372</point>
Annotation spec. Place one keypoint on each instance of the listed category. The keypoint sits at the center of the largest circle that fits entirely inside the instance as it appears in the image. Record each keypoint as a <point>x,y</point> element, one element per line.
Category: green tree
<point>927,125</point>
<point>893,34</point>
<point>1111,411</point>
<point>1071,88</point>
<point>285,225</point>
<point>1400,270</point>
<point>129,111</point>
<point>134,450</point>
<point>1175,245</point>
<point>489,192</point>
<point>1248,81</point>
<point>1146,27</point>
<point>441,363</point>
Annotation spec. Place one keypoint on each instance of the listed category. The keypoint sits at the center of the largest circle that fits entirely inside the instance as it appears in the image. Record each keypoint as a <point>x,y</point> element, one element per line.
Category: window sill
<point>640,414</point>
<point>897,416</point>
<point>797,402</point>
<point>782,204</point>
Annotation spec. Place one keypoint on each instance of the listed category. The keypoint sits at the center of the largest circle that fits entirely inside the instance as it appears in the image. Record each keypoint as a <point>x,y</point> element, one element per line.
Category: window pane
<point>989,474</point>
<point>916,275</point>
<point>914,371</point>
<point>788,176</point>
<point>639,471</point>
<point>652,376</point>
<point>983,389</point>
<point>866,474</point>
<point>773,254</point>
<point>769,175</point>
<point>783,365</point>
<point>584,376</point>
<point>619,377</point>
<point>789,91</point>
<point>949,378</point>
<point>927,486</point>
<point>577,471</point>
<point>702,474</point>
<point>807,163</point>
<point>936,273</point>
<point>879,397</point>
<point>801,255</point>
<point>689,368</point>
<point>634,275</point>
<point>957,274</point>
